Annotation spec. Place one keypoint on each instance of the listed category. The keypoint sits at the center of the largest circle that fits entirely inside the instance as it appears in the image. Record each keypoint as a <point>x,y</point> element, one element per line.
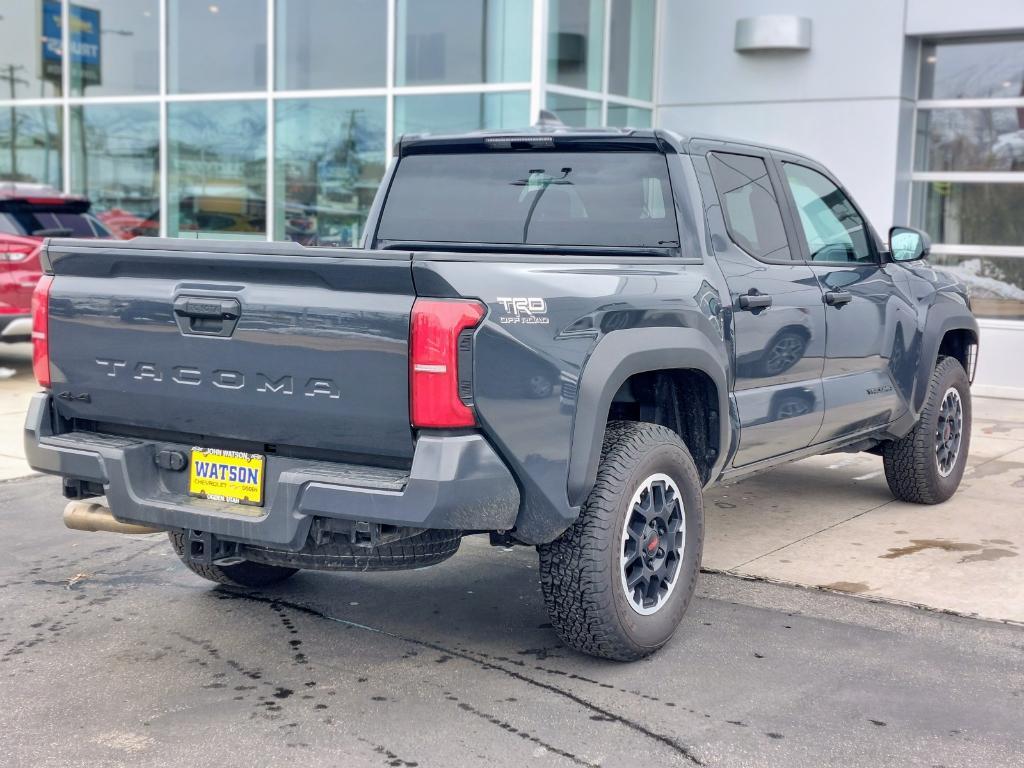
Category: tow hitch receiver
<point>205,549</point>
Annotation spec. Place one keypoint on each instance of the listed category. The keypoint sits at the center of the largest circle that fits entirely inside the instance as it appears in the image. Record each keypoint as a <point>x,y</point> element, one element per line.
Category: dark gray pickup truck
<point>557,338</point>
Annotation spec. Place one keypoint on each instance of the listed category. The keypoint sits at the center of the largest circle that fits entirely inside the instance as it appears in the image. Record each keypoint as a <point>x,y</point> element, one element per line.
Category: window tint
<point>749,205</point>
<point>29,222</point>
<point>613,199</point>
<point>833,229</point>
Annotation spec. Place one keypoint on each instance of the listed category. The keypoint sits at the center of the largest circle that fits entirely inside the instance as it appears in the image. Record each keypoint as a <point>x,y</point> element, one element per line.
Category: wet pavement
<point>111,653</point>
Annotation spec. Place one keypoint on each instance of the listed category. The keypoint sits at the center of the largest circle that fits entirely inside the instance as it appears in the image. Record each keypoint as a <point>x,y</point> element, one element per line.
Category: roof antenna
<point>548,119</point>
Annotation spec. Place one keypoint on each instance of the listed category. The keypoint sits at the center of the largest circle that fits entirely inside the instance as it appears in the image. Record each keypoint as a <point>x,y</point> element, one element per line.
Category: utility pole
<point>8,73</point>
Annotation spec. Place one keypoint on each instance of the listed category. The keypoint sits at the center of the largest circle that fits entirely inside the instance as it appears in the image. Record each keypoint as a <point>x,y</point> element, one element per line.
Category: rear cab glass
<point>28,221</point>
<point>596,199</point>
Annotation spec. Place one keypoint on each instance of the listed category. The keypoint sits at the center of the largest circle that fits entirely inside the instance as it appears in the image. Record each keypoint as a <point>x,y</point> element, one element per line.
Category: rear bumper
<point>456,482</point>
<point>15,327</point>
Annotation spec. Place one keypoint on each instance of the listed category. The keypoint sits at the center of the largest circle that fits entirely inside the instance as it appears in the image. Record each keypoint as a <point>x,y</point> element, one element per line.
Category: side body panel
<point>864,380</point>
<point>528,362</point>
<point>779,350</point>
<point>940,306</point>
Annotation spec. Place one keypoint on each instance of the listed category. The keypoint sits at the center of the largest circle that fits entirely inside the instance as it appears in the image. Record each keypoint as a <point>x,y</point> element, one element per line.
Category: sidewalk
<point>15,392</point>
<point>830,522</point>
<point>826,522</point>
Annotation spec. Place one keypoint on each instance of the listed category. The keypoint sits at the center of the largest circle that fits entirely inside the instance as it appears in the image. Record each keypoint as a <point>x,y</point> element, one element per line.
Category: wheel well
<point>684,400</point>
<point>962,344</point>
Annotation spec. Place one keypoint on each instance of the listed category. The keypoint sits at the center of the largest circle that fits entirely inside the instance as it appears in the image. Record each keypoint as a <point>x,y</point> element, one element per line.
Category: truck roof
<point>550,136</point>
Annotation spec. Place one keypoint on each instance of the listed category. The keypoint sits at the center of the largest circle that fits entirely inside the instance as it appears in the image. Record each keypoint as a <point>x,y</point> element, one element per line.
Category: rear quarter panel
<point>544,319</point>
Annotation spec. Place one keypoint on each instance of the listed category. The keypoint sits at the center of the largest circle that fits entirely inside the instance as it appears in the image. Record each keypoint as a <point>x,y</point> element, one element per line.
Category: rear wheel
<point>926,465</point>
<point>619,580</point>
<point>244,574</point>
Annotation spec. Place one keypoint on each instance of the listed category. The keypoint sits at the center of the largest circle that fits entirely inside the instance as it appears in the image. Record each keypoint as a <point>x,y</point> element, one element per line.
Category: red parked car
<point>28,214</point>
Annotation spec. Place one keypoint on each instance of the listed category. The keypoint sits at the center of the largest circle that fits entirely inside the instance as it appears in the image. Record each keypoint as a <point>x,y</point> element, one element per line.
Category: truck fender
<point>942,317</point>
<point>615,358</point>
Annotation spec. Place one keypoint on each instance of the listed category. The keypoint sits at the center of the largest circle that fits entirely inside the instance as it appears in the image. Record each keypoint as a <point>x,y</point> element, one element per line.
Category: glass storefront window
<point>30,145</point>
<point>458,112</point>
<point>972,69</point>
<point>996,283</point>
<point>30,49</point>
<point>576,43</point>
<point>216,167</point>
<point>970,213</point>
<point>623,116</point>
<point>970,140</point>
<point>330,44</point>
<point>115,162</point>
<point>631,49</point>
<point>574,111</point>
<point>216,46</point>
<point>115,47</point>
<point>987,139</point>
<point>328,161</point>
<point>462,41</point>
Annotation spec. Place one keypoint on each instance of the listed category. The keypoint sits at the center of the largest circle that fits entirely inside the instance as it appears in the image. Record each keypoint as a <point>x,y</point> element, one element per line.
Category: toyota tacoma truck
<point>557,338</point>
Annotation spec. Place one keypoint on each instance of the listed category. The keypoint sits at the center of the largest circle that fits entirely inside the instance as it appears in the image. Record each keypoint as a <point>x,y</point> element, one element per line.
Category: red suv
<point>28,214</point>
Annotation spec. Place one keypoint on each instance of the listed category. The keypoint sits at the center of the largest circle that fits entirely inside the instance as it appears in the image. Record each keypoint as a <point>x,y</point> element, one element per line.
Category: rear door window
<point>749,205</point>
<point>605,199</point>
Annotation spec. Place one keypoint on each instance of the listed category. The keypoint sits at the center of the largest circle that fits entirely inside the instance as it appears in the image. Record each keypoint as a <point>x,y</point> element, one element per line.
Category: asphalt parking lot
<point>111,653</point>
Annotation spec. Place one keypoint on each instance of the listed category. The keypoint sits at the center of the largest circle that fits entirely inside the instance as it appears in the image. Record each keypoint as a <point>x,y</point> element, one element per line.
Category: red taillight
<point>434,398</point>
<point>40,330</point>
<point>16,252</point>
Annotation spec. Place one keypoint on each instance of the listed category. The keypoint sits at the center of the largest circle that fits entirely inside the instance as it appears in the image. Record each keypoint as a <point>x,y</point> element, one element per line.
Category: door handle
<point>838,298</point>
<point>754,301</point>
<point>202,316</point>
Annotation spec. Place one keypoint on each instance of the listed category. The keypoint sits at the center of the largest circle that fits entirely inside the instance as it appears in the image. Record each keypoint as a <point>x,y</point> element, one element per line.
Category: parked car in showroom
<point>28,214</point>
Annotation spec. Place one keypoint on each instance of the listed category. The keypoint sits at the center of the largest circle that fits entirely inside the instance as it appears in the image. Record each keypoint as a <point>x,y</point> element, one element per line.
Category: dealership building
<point>274,119</point>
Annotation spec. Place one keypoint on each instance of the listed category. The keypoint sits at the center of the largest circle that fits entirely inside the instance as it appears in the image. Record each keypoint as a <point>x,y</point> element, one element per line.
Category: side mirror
<point>906,244</point>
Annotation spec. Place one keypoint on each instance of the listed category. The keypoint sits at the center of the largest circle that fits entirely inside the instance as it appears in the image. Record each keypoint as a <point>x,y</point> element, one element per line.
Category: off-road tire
<point>245,574</point>
<point>910,465</point>
<point>428,548</point>
<point>580,570</point>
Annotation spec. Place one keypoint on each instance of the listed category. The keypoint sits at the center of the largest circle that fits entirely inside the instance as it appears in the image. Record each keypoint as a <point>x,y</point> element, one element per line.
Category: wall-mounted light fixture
<point>773,33</point>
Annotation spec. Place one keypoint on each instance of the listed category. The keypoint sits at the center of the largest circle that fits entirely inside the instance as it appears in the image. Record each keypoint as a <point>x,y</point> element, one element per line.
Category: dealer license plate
<point>229,476</point>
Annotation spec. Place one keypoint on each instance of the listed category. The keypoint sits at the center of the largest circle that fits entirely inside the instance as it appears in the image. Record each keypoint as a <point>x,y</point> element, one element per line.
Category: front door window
<point>832,227</point>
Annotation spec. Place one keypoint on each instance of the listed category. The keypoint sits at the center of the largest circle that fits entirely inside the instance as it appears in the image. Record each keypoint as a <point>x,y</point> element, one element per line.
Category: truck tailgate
<point>268,343</point>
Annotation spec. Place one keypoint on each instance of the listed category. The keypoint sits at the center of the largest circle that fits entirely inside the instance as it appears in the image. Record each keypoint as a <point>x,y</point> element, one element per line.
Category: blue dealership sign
<point>51,39</point>
<point>84,39</point>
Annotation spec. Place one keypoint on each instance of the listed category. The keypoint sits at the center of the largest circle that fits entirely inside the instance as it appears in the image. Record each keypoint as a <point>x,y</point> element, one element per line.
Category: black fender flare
<point>615,358</point>
<point>942,318</point>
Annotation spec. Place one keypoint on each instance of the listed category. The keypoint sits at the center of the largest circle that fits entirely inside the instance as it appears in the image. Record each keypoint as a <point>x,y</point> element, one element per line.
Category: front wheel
<point>619,580</point>
<point>926,465</point>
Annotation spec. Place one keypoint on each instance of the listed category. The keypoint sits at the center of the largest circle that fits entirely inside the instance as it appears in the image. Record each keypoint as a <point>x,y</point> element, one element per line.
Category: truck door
<point>778,314</point>
<point>869,321</point>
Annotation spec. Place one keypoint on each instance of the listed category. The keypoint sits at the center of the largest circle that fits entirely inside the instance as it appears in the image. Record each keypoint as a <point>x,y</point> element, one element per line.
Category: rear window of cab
<point>589,199</point>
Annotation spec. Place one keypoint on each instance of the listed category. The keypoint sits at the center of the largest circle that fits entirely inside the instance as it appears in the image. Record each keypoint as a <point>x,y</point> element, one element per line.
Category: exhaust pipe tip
<point>90,516</point>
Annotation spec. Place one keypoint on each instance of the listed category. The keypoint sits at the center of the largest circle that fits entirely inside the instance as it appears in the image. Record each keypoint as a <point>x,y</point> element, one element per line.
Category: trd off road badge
<point>523,310</point>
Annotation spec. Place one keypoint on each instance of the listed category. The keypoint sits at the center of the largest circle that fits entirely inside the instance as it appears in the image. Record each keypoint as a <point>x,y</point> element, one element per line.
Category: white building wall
<point>839,102</point>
